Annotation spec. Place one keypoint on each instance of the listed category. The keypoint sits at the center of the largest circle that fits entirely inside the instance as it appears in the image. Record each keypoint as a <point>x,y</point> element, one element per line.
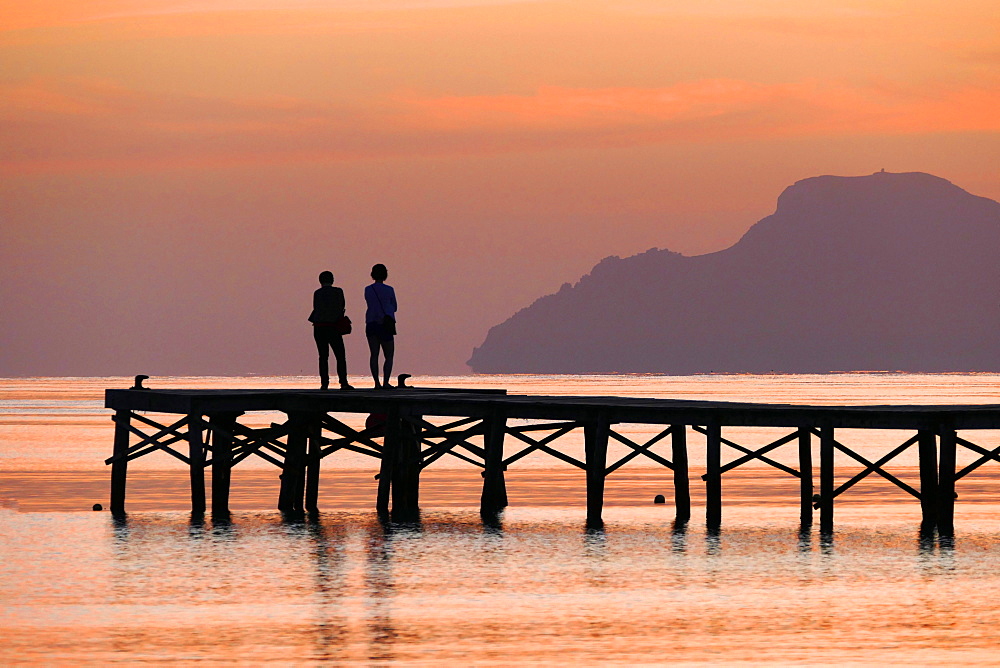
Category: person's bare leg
<point>373,347</point>
<point>389,348</point>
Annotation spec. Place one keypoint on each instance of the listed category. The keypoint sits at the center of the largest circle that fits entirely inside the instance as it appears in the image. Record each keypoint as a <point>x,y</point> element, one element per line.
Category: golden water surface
<point>534,587</point>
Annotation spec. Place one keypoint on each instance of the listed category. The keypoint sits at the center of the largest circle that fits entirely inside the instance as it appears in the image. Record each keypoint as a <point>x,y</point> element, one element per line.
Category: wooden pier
<point>421,426</point>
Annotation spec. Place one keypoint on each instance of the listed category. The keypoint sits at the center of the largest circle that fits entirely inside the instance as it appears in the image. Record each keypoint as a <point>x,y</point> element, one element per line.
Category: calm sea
<point>78,587</point>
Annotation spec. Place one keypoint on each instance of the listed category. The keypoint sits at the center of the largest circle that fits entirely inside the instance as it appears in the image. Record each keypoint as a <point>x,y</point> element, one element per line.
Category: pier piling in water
<point>946,483</point>
<point>405,474</point>
<point>314,459</point>
<point>596,449</point>
<point>196,462</point>
<point>494,495</point>
<point>293,477</point>
<point>221,427</point>
<point>927,453</point>
<point>713,475</point>
<point>390,446</point>
<point>826,479</point>
<point>682,483</point>
<point>805,477</point>
<point>119,467</point>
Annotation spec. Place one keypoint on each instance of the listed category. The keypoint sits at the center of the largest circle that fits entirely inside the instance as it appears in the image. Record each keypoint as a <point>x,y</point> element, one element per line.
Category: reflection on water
<point>530,586</point>
<point>678,537</point>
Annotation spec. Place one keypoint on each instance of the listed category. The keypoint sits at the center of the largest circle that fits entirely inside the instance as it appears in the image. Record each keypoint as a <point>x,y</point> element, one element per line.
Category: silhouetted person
<point>328,309</point>
<point>380,323</point>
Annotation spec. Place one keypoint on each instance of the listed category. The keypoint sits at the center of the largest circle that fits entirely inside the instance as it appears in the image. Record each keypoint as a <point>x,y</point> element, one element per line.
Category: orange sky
<point>227,151</point>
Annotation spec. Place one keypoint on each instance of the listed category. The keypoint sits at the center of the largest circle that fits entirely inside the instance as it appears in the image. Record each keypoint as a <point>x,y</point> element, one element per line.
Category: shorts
<point>375,330</point>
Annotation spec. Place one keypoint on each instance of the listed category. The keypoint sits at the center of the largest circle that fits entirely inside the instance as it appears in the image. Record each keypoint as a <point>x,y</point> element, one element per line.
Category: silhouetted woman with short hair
<point>380,324</point>
<point>328,309</point>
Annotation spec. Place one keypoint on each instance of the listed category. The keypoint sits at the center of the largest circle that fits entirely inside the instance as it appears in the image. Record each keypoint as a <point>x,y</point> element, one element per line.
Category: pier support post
<point>390,444</point>
<point>314,458</point>
<point>713,476</point>
<point>946,484</point>
<point>494,495</point>
<point>927,454</point>
<point>196,456</point>
<point>682,482</point>
<point>826,472</point>
<point>596,449</point>
<point>119,467</point>
<point>805,477</point>
<point>293,472</point>
<point>406,472</point>
<point>413,449</point>
<point>222,460</point>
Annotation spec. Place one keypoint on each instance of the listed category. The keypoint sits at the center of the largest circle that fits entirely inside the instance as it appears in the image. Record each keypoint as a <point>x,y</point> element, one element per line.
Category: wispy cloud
<point>67,124</point>
<point>49,13</point>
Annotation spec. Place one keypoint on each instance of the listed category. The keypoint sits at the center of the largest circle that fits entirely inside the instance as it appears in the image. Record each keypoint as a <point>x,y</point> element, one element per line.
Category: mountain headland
<point>889,271</point>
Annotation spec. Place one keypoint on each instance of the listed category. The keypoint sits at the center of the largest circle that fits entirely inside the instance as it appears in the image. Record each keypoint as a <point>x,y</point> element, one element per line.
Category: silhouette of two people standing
<point>330,323</point>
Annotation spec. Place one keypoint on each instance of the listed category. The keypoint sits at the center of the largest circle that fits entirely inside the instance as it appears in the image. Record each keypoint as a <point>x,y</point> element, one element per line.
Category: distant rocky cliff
<point>881,272</point>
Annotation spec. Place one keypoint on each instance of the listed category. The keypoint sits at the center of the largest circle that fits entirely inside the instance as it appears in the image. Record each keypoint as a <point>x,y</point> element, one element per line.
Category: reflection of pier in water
<point>424,425</point>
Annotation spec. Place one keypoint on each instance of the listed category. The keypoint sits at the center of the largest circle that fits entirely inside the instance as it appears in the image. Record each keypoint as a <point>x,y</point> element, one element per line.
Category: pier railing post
<point>682,482</point>
<point>222,459</point>
<point>805,477</point>
<point>928,459</point>
<point>826,472</point>
<point>946,483</point>
<point>119,467</point>
<point>596,449</point>
<point>314,458</point>
<point>196,457</point>
<point>390,445</point>
<point>494,496</point>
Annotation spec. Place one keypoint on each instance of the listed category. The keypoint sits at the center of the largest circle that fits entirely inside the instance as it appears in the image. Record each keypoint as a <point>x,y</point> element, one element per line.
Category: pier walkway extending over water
<point>406,440</point>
